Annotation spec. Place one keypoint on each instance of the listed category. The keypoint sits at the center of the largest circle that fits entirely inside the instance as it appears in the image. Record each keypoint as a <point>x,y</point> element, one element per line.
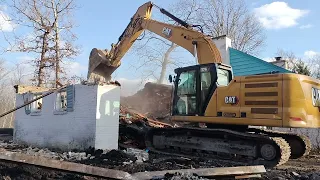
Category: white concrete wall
<point>223,43</point>
<point>69,130</point>
<point>107,117</point>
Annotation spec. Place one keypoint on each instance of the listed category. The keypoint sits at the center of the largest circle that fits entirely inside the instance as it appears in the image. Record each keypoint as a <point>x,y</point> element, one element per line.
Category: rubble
<point>14,171</point>
<point>181,176</point>
<point>153,101</point>
<point>128,116</point>
<point>141,155</point>
<point>128,160</point>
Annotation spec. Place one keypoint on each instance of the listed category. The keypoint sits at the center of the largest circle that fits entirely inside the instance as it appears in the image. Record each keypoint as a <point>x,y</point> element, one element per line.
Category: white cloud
<point>277,15</point>
<point>75,68</point>
<point>310,53</point>
<point>5,23</point>
<point>306,26</point>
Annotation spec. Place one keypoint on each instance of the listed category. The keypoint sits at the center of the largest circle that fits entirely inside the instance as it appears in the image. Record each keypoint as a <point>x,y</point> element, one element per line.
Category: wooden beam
<point>206,172</point>
<point>20,89</point>
<point>64,165</point>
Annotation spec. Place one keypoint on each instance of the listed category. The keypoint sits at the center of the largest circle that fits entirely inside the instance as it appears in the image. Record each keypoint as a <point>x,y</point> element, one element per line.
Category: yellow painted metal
<point>207,52</point>
<point>279,100</point>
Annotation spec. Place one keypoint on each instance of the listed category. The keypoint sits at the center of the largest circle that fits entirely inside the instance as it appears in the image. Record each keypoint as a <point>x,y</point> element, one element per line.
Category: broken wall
<point>76,126</point>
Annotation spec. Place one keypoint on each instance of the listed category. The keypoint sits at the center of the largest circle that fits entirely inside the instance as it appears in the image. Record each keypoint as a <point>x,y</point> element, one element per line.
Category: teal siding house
<point>244,64</point>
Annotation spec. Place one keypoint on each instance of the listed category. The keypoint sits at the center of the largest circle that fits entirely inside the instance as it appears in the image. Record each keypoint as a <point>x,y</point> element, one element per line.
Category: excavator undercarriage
<point>251,147</point>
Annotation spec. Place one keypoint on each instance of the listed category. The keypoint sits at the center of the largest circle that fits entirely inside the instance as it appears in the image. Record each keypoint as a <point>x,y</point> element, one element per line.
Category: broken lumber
<point>138,117</point>
<point>237,172</point>
<point>63,165</point>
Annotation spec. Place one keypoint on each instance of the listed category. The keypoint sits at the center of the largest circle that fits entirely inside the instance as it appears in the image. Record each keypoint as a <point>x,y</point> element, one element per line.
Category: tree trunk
<point>166,62</point>
<point>57,40</point>
<point>42,59</point>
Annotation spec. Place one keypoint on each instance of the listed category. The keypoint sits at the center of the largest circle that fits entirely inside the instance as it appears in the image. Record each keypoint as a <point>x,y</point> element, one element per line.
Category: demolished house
<point>75,117</point>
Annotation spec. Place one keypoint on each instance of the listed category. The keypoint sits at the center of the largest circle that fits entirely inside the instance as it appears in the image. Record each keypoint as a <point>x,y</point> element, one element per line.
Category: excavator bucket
<point>100,68</point>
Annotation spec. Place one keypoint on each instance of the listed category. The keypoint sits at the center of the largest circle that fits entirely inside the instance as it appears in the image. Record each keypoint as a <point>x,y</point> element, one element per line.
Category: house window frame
<point>33,107</point>
<point>60,110</point>
<point>69,99</point>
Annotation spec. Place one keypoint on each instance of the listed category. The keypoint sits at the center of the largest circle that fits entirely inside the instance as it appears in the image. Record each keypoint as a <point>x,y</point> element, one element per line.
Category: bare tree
<point>156,54</point>
<point>216,17</point>
<point>309,66</point>
<point>231,18</point>
<point>289,56</point>
<point>7,98</point>
<point>50,38</point>
<point>314,64</point>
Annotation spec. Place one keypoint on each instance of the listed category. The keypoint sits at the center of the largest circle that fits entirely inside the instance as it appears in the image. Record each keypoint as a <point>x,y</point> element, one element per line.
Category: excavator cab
<point>194,86</point>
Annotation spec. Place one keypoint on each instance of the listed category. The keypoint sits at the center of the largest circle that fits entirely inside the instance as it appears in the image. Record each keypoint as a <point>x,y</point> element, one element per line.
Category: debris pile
<point>110,159</point>
<point>45,152</point>
<point>153,101</point>
<point>129,116</point>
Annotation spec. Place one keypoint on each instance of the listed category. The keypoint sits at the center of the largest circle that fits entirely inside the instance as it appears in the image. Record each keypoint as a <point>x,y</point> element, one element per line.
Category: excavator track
<point>240,147</point>
<point>300,145</point>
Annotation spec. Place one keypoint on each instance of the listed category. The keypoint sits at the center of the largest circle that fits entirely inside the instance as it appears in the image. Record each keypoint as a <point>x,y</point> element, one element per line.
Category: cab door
<point>186,99</point>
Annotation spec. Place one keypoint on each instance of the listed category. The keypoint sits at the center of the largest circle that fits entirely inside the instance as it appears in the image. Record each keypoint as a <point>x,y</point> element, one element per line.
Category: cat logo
<point>231,100</point>
<point>166,31</point>
<point>315,97</point>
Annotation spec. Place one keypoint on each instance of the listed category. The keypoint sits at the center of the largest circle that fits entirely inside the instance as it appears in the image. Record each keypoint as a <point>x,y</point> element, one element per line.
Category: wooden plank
<point>33,89</point>
<point>248,176</point>
<point>205,172</point>
<point>237,172</point>
<point>64,165</point>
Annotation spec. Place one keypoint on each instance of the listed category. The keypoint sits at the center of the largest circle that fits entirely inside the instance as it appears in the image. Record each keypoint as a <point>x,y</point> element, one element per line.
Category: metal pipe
<point>173,17</point>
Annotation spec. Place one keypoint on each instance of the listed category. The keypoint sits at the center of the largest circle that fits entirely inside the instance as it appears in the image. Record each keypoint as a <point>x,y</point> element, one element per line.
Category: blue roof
<point>244,64</point>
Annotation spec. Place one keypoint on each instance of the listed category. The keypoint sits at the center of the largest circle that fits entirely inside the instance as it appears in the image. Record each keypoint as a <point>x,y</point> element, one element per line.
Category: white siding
<point>107,124</point>
<point>66,130</point>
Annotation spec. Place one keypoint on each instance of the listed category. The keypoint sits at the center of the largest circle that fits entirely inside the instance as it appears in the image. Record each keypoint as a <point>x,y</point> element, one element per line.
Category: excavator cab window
<point>187,93</point>
<point>194,86</point>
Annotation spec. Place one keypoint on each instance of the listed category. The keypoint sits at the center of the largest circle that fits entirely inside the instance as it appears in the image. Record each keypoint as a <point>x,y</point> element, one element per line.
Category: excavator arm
<point>102,63</point>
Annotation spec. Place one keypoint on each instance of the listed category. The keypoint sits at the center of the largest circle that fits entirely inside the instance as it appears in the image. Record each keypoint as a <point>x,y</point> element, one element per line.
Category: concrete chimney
<point>223,43</point>
<point>278,58</point>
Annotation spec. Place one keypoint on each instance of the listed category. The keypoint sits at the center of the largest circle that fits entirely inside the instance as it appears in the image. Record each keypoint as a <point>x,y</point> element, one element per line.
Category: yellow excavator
<point>209,93</point>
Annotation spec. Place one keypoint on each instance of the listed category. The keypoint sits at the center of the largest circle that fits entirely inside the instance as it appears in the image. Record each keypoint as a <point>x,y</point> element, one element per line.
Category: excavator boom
<point>104,62</point>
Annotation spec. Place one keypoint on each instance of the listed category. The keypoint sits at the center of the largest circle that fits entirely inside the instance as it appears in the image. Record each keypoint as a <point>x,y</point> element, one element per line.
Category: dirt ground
<point>16,171</point>
<point>305,168</point>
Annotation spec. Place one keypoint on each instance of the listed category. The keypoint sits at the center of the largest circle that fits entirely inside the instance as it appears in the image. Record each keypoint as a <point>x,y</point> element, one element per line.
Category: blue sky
<point>290,25</point>
<point>297,21</point>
